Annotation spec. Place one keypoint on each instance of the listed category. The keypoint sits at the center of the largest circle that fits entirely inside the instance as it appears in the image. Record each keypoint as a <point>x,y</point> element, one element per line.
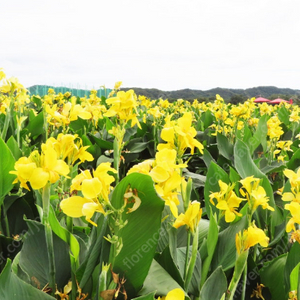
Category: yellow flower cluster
<point>54,160</point>
<point>293,198</point>
<point>95,190</point>
<point>249,238</point>
<point>180,135</point>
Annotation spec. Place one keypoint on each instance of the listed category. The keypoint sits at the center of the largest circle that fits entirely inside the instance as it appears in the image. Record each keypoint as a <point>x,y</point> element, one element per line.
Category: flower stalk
<point>49,236</point>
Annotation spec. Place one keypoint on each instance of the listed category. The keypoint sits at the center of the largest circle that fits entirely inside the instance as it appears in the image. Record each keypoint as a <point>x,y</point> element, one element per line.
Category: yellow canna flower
<point>77,207</point>
<point>50,169</point>
<point>190,218</point>
<point>294,208</point>
<point>255,194</point>
<point>124,106</point>
<point>40,169</point>
<point>227,201</point>
<point>95,190</point>
<point>176,294</point>
<point>180,135</point>
<point>23,170</point>
<point>250,237</point>
<point>294,177</point>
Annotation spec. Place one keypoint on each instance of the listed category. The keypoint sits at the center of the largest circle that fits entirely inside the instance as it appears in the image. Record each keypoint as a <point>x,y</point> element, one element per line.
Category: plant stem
<point>116,159</point>
<point>8,119</point>
<point>49,236</point>
<point>244,281</point>
<point>240,265</point>
<point>7,231</point>
<point>69,221</point>
<point>187,254</point>
<point>192,261</point>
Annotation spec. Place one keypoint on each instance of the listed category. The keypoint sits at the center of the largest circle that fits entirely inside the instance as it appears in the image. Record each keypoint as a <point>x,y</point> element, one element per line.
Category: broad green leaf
<point>214,174</point>
<point>225,252</point>
<point>212,239</point>
<point>294,278</point>
<point>260,135</point>
<point>149,296</point>
<point>36,124</point>
<point>272,276</point>
<point>215,286</point>
<point>9,248</point>
<point>7,163</point>
<point>136,145</point>
<point>12,287</point>
<point>224,146</point>
<point>64,234</point>
<point>194,287</point>
<point>293,258</point>
<point>207,158</point>
<point>140,235</point>
<point>198,180</point>
<point>239,267</point>
<point>167,262</point>
<point>103,144</point>
<point>15,214</point>
<point>294,162</point>
<point>159,280</point>
<point>207,118</point>
<point>79,125</point>
<point>284,115</point>
<point>34,256</point>
<point>246,167</point>
<point>275,166</point>
<point>98,246</point>
<point>14,148</point>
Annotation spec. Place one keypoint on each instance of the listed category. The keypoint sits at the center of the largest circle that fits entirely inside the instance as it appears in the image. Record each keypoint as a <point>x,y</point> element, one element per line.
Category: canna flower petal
<point>89,209</point>
<point>159,174</point>
<point>72,206</point>
<point>39,178</point>
<point>91,188</point>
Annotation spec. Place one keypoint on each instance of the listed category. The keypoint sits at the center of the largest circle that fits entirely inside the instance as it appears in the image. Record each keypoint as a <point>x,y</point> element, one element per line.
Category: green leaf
<point>12,287</point>
<point>141,234</point>
<point>196,277</point>
<point>275,283</point>
<point>149,296</point>
<point>207,118</point>
<point>36,124</point>
<point>98,245</point>
<point>34,256</point>
<point>103,144</point>
<point>284,115</point>
<point>136,145</point>
<point>64,234</point>
<point>239,267</point>
<point>159,280</point>
<point>207,158</point>
<point>14,148</point>
<point>212,239</point>
<point>294,278</point>
<point>7,164</point>
<point>292,260</point>
<point>245,166</point>
<point>294,162</point>
<point>260,135</point>
<point>225,252</point>
<point>215,286</point>
<point>166,261</point>
<point>224,146</point>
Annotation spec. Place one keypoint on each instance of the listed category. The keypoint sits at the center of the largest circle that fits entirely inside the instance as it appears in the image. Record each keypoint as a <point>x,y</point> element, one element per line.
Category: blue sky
<point>161,44</point>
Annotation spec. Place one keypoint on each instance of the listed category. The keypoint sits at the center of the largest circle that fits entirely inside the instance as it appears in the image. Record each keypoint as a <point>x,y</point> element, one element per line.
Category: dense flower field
<point>127,197</point>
